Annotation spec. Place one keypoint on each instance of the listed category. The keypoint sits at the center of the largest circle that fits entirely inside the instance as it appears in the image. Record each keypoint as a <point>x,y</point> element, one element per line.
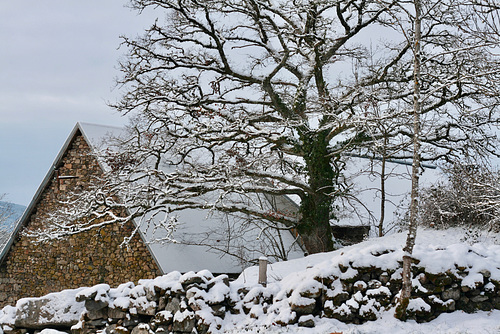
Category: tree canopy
<point>235,100</point>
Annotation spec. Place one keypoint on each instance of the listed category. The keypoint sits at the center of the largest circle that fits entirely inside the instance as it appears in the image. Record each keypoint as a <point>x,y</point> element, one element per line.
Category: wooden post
<point>263,271</point>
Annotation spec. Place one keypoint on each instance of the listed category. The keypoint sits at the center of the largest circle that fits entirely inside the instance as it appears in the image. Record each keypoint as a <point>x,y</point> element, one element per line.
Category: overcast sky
<point>58,61</point>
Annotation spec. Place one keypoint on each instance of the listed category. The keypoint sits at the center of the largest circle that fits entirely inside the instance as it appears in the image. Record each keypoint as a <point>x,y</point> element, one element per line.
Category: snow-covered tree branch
<point>235,101</point>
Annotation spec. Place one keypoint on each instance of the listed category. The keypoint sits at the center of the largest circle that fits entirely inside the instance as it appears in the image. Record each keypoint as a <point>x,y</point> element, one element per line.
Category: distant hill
<point>9,214</point>
<point>14,212</point>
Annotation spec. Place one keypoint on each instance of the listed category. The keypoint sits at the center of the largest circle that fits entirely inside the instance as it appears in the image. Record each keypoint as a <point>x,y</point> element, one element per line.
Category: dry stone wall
<point>201,303</point>
<point>32,269</point>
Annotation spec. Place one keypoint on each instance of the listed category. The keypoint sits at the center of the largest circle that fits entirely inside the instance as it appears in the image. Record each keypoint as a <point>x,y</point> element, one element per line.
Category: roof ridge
<point>101,125</point>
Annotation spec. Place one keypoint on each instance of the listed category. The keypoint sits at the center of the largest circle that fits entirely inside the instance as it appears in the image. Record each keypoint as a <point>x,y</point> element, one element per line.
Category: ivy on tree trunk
<point>315,209</point>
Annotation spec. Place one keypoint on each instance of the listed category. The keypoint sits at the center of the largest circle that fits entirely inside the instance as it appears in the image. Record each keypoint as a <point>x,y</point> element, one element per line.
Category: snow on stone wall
<point>354,286</point>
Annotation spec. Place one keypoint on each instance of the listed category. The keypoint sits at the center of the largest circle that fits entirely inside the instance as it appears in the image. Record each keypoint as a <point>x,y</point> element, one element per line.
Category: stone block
<point>304,306</point>
<point>339,298</point>
<point>130,321</point>
<point>219,311</point>
<point>115,313</point>
<point>97,314</point>
<point>184,322</point>
<point>450,294</point>
<point>306,321</point>
<point>57,309</point>
<point>479,299</point>
<point>173,305</point>
<point>141,329</point>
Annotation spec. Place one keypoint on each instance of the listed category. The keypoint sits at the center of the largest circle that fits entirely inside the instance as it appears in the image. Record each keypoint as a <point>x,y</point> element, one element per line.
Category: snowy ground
<point>457,322</point>
<point>426,239</point>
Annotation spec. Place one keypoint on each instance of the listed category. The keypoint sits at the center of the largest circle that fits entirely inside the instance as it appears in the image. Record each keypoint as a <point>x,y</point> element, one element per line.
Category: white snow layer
<point>438,251</point>
<point>58,307</point>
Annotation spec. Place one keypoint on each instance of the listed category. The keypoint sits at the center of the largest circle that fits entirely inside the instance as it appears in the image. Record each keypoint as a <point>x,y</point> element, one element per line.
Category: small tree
<point>460,43</point>
<point>467,199</point>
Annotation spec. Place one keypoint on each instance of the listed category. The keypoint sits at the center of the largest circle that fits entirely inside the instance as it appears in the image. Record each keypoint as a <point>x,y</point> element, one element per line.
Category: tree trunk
<point>382,189</point>
<point>382,199</point>
<point>314,225</point>
<point>406,288</point>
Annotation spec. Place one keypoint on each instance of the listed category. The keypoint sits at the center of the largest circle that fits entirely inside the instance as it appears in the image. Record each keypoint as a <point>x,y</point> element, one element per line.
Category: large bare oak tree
<point>232,101</point>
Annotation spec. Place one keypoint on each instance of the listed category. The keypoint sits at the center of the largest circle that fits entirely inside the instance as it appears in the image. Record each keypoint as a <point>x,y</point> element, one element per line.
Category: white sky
<point>58,61</point>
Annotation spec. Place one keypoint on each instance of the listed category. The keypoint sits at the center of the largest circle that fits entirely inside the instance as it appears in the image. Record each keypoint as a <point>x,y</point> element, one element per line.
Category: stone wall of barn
<point>86,259</point>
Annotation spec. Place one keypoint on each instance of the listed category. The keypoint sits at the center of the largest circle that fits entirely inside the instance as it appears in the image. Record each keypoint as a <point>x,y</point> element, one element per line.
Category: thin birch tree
<point>406,289</point>
<point>464,43</point>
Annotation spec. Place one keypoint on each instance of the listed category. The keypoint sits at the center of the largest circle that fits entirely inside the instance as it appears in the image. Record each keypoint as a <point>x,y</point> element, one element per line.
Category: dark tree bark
<point>316,207</point>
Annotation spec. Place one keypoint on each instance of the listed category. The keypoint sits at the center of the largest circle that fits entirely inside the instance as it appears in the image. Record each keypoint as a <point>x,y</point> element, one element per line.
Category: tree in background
<point>468,199</point>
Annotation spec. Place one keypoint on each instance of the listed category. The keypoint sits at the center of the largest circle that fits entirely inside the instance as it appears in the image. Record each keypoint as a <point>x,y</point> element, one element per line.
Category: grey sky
<point>58,62</point>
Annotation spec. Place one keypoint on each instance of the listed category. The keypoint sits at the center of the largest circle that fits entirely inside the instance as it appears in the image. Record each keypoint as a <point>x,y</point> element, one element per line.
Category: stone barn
<point>28,268</point>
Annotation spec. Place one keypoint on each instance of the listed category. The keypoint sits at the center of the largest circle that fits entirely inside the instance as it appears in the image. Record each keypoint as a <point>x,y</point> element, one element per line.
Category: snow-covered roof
<point>169,256</point>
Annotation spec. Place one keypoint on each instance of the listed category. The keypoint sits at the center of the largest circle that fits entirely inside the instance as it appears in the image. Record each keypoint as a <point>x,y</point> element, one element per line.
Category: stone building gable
<point>86,259</point>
